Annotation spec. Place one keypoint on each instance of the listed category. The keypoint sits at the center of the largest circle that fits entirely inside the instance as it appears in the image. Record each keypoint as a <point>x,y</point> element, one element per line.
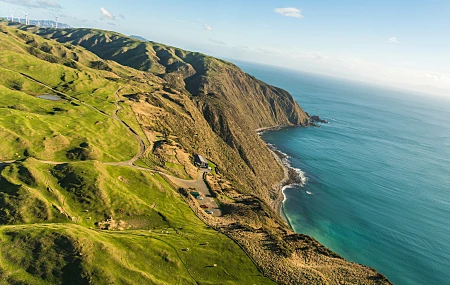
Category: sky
<point>397,42</point>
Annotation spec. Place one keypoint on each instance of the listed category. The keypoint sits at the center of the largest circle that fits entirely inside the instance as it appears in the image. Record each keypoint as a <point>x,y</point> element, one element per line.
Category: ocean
<point>377,177</point>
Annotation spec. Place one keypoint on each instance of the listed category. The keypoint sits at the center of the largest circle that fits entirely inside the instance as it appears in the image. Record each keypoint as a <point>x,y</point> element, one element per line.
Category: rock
<point>317,119</point>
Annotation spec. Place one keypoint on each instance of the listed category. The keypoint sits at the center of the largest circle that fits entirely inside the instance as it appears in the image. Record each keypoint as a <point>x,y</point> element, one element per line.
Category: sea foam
<point>297,177</point>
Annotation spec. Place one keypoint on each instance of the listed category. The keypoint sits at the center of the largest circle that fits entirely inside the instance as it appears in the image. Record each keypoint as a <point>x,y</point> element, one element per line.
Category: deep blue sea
<point>378,175</point>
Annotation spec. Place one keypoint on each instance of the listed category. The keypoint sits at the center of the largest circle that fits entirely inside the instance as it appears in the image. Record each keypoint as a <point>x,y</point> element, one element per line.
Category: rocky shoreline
<point>291,177</point>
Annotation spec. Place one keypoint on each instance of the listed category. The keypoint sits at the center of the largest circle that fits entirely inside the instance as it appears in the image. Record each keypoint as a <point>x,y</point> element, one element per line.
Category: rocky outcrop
<point>317,119</point>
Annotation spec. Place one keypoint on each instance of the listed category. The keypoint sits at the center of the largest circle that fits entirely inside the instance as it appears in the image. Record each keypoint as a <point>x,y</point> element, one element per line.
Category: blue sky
<point>402,43</point>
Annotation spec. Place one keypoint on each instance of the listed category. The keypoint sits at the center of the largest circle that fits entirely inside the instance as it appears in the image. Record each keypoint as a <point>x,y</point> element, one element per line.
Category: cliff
<point>233,103</point>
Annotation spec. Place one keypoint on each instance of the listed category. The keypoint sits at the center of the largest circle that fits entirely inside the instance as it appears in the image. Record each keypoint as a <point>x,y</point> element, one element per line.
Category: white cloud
<point>394,40</point>
<point>107,14</point>
<point>289,12</point>
<point>44,4</point>
<point>439,77</point>
<point>208,27</point>
<point>217,42</point>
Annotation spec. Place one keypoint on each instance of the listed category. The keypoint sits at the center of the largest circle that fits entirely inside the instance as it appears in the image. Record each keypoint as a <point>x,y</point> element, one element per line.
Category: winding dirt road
<point>198,183</point>
<point>138,138</point>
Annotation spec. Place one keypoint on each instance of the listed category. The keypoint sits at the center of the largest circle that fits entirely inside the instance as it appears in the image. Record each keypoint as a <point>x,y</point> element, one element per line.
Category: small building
<point>200,161</point>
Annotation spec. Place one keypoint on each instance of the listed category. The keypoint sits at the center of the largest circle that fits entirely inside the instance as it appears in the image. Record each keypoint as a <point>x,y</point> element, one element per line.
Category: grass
<point>177,169</point>
<point>48,130</point>
<point>127,115</point>
<point>212,166</point>
<point>141,163</point>
<point>147,161</point>
<point>83,221</point>
<point>152,252</point>
<point>120,257</point>
<point>55,130</point>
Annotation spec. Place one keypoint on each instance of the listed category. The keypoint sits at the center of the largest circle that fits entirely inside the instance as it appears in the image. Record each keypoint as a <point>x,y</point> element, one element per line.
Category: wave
<point>284,195</point>
<point>303,179</point>
<point>284,156</point>
<point>297,177</point>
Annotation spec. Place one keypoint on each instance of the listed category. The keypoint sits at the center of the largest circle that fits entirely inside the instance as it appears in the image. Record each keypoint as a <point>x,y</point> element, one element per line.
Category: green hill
<point>233,103</point>
<point>96,127</point>
<point>83,221</point>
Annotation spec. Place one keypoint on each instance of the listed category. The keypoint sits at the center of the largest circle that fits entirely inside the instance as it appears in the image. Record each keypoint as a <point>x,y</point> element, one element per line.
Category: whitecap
<point>302,176</point>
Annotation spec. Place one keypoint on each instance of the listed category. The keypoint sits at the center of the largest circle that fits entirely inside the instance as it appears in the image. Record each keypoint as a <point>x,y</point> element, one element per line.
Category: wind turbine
<point>39,23</point>
<point>26,18</point>
<point>56,18</point>
<point>12,15</point>
<point>18,17</point>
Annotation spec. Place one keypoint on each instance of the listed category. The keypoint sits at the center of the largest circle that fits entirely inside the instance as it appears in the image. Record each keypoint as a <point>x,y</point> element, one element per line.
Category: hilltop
<point>91,181</point>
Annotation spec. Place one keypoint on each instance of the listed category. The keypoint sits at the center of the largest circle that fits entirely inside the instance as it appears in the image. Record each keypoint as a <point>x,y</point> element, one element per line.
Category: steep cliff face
<point>233,103</point>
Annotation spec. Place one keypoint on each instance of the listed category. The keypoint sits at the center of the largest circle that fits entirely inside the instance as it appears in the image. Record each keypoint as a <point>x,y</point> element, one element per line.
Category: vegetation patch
<point>82,152</point>
<point>177,169</point>
<point>50,256</point>
<point>79,184</point>
<point>100,65</point>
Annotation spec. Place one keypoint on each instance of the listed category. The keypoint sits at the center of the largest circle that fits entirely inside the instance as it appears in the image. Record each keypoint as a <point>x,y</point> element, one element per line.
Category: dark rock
<point>317,119</point>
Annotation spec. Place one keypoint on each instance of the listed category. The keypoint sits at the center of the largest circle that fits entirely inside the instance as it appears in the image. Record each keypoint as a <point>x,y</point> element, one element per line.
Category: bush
<point>99,65</point>
<point>15,85</point>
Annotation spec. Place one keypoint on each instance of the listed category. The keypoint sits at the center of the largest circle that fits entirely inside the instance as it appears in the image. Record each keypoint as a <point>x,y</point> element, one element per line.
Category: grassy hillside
<point>67,217</point>
<point>77,127</point>
<point>84,192</point>
<point>73,223</point>
<point>233,103</point>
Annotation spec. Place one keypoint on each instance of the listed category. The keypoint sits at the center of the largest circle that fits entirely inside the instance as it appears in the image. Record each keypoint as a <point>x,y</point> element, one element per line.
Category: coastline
<point>266,129</point>
<point>290,176</point>
<point>278,203</point>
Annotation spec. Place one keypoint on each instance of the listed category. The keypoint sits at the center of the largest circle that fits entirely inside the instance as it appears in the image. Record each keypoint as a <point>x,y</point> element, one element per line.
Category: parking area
<point>200,191</point>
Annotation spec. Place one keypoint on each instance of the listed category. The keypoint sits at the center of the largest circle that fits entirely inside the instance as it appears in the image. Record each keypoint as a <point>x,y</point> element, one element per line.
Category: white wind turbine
<point>18,17</point>
<point>56,18</point>
<point>26,18</point>
<point>12,15</point>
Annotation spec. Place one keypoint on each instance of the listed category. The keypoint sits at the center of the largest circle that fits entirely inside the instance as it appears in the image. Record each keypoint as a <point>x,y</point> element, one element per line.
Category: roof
<point>200,158</point>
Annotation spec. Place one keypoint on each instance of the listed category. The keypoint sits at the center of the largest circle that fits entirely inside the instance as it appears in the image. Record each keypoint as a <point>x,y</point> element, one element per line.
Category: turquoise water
<point>378,189</point>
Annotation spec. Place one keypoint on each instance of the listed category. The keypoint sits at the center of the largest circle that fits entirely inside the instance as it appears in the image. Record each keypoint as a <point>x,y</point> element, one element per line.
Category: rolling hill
<point>96,125</point>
